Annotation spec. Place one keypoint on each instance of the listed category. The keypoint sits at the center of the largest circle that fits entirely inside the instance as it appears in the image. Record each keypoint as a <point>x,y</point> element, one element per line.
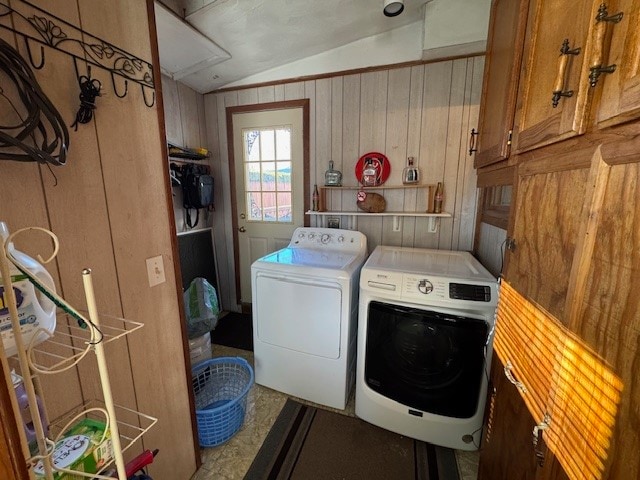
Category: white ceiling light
<point>393,8</point>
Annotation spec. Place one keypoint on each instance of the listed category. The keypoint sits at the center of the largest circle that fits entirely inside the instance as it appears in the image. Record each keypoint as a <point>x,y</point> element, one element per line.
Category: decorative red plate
<point>379,161</point>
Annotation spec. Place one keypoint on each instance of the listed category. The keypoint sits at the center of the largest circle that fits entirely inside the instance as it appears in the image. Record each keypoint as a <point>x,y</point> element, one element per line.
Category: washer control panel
<point>329,238</point>
<point>420,287</point>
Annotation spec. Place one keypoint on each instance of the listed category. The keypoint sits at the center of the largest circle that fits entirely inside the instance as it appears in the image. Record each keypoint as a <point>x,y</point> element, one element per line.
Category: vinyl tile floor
<point>232,460</point>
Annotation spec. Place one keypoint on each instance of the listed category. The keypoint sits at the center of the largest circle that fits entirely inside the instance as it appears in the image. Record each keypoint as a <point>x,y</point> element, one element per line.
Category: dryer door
<point>430,361</point>
<point>301,314</point>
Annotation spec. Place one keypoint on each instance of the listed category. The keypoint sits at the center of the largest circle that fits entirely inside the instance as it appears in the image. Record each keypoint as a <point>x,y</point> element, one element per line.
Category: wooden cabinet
<point>574,229</point>
<point>620,100</point>
<point>554,79</point>
<point>501,73</point>
<point>508,428</point>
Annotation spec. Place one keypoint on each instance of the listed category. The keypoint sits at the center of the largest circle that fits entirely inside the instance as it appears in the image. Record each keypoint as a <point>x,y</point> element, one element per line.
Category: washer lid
<point>310,258</point>
<point>444,263</point>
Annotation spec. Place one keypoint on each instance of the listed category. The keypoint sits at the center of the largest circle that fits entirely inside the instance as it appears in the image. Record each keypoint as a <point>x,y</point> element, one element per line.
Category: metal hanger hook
<point>33,64</point>
<point>115,89</point>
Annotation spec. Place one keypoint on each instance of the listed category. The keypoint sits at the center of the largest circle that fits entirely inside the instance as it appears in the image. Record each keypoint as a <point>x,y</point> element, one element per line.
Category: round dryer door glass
<point>425,360</point>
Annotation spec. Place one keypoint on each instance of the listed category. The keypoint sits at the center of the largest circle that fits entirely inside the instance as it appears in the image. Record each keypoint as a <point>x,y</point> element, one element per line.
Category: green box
<point>80,449</point>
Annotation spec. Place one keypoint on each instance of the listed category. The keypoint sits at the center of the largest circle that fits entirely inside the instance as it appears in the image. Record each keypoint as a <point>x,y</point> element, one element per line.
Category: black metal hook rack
<point>36,25</point>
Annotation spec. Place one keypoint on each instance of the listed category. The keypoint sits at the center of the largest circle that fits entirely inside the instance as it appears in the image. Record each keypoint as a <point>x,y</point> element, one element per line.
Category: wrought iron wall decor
<point>37,25</point>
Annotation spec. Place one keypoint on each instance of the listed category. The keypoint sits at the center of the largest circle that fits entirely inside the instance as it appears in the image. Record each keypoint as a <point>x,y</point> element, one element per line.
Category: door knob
<point>243,216</point>
<point>242,229</point>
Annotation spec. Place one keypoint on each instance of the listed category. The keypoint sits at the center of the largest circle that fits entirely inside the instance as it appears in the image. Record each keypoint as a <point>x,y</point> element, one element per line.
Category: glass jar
<point>369,174</point>
<point>410,174</point>
<point>332,178</point>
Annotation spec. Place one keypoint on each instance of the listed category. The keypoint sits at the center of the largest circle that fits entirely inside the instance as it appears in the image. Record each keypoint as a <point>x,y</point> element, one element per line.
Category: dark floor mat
<point>234,330</point>
<point>306,443</point>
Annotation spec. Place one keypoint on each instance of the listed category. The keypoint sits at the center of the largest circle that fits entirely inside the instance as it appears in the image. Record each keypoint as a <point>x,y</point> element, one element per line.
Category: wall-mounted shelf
<point>186,155</point>
<point>434,218</point>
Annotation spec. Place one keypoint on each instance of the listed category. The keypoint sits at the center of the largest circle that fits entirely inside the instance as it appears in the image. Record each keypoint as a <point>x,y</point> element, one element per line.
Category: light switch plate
<point>155,271</point>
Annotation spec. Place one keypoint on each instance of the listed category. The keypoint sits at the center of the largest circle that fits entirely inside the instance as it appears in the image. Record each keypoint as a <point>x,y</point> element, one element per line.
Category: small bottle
<point>316,198</point>
<point>437,199</point>
<point>332,178</point>
<point>369,174</point>
<point>410,174</point>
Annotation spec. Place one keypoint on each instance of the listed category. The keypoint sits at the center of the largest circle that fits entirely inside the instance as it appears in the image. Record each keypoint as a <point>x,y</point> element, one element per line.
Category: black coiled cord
<point>39,110</point>
<point>89,90</point>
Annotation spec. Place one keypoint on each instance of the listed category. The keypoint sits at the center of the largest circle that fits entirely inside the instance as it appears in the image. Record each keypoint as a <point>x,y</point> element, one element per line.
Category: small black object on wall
<point>197,190</point>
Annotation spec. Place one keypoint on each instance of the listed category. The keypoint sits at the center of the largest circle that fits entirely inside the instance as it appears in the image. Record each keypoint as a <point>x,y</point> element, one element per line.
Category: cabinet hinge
<point>509,136</point>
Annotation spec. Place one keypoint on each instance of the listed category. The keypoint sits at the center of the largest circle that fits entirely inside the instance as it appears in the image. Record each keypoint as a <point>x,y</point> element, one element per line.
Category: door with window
<point>269,166</point>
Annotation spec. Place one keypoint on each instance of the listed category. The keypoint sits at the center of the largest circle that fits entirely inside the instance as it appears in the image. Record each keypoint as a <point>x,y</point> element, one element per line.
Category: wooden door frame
<point>254,108</point>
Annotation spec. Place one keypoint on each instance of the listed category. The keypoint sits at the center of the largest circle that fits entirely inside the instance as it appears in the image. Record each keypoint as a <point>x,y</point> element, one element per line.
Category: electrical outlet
<point>155,271</point>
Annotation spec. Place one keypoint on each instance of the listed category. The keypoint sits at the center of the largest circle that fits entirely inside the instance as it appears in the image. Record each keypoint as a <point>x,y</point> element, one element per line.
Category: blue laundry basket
<point>220,387</point>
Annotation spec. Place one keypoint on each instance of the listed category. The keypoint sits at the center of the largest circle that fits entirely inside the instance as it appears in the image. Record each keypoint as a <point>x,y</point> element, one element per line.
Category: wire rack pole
<point>104,376</point>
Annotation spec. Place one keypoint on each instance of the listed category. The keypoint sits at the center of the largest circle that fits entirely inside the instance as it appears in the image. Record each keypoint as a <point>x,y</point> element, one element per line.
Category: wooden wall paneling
<point>323,130</point>
<point>414,199</point>
<point>294,91</point>
<point>373,113</point>
<point>24,204</point>
<point>373,110</point>
<point>248,96</point>
<point>310,93</point>
<point>138,204</point>
<point>545,232</point>
<point>490,247</point>
<point>337,131</point>
<point>454,154</point>
<point>84,233</point>
<point>214,108</point>
<point>398,101</point>
<point>172,111</point>
<point>229,99</point>
<point>202,124</point>
<point>433,147</point>
<point>189,115</point>
<point>351,92</point>
<point>278,93</point>
<point>465,220</point>
<point>266,94</point>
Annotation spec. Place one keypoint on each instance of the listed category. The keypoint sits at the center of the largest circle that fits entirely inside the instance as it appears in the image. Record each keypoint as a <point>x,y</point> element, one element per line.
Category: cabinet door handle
<point>595,67</point>
<point>472,141</point>
<point>507,372</point>
<point>563,63</point>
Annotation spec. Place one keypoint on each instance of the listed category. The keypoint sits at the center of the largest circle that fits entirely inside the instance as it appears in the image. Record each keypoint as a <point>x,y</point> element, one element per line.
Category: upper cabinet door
<point>501,71</point>
<point>554,77</point>
<point>620,101</point>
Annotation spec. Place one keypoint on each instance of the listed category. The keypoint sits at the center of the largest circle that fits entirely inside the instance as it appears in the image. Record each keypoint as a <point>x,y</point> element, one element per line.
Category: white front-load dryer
<point>305,305</point>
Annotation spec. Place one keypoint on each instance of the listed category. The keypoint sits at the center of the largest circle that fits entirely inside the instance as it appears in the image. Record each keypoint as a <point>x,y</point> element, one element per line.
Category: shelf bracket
<point>397,223</point>
<point>434,223</point>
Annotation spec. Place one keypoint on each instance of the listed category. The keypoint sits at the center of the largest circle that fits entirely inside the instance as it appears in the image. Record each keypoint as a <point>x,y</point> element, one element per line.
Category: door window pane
<point>267,145</point>
<point>283,143</point>
<point>267,181</point>
<point>284,207</point>
<point>268,176</point>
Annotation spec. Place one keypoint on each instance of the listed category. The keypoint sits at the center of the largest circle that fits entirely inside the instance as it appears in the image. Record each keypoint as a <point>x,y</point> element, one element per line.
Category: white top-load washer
<point>425,335</point>
<point>305,306</point>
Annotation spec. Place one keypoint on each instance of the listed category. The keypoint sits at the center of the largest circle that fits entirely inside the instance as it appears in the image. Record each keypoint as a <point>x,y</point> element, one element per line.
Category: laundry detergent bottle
<point>36,312</point>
